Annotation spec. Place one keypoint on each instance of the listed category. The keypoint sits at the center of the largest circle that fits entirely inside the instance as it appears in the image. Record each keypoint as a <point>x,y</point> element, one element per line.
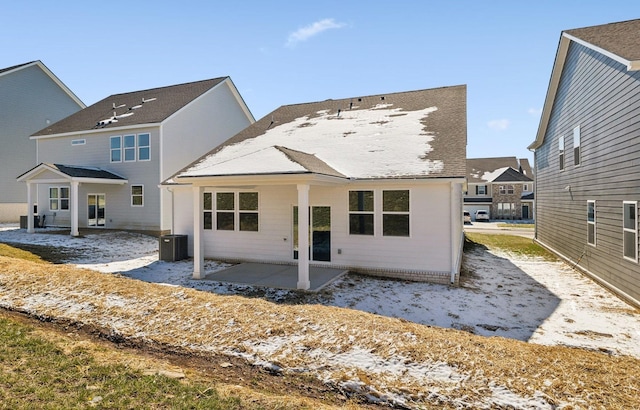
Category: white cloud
<point>498,125</point>
<point>304,33</point>
<point>535,111</point>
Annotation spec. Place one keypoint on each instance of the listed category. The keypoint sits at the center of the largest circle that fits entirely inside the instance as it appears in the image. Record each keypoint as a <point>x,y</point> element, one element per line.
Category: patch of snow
<point>490,176</point>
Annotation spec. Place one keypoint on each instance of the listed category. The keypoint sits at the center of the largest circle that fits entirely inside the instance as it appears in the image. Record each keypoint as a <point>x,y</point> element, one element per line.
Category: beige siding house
<point>371,184</point>
<point>31,97</point>
<point>101,167</point>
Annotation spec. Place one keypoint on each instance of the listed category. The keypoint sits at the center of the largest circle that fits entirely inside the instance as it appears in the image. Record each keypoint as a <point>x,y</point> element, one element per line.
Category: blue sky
<point>287,52</point>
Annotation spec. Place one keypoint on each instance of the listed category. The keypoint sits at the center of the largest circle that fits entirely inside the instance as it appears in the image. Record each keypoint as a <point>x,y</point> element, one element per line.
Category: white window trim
<point>236,210</point>
<point>111,150</point>
<point>635,231</point>
<point>136,195</point>
<point>138,146</point>
<point>595,241</point>
<point>525,187</point>
<point>209,210</point>
<point>577,137</point>
<point>383,212</point>
<point>373,213</point>
<point>561,153</point>
<point>484,189</point>
<point>59,199</point>
<point>134,148</point>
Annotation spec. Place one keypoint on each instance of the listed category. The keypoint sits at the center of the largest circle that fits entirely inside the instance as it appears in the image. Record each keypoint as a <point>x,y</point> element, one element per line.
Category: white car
<point>482,215</point>
<point>467,217</point>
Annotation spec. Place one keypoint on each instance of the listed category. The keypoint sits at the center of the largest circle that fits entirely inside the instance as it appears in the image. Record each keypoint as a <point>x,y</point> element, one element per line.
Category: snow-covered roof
<point>487,170</point>
<point>416,134</point>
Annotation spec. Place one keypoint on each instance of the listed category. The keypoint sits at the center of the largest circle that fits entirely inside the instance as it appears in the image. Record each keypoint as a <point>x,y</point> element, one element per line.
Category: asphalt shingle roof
<point>153,106</point>
<point>411,130</point>
<point>621,39</point>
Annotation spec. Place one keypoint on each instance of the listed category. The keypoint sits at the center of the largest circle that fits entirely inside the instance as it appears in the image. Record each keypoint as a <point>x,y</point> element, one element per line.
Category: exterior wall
<point>197,129</point>
<point>29,100</point>
<point>12,212</point>
<point>430,252</point>
<point>514,199</point>
<point>96,152</point>
<point>603,99</point>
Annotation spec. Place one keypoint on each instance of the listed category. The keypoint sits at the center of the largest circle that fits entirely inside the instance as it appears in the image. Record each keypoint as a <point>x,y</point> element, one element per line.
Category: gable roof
<point>45,69</point>
<point>414,134</point>
<point>150,106</point>
<point>74,172</point>
<point>498,169</point>
<point>619,41</point>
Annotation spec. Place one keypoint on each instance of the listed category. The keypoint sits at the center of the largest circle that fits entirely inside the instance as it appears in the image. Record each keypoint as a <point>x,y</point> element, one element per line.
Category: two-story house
<point>587,155</point>
<point>502,186</point>
<point>31,97</point>
<point>101,167</point>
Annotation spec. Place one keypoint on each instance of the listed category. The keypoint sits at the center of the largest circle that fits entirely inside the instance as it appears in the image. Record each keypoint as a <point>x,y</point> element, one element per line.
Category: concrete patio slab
<point>275,276</point>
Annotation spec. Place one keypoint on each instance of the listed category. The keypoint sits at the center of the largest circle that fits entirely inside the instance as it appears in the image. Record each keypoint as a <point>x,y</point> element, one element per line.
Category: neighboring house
<point>587,155</point>
<point>370,184</point>
<point>102,167</point>
<point>502,186</point>
<point>31,97</point>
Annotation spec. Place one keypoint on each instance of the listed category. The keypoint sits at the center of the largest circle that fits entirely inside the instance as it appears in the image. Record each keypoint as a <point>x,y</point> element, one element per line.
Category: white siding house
<point>370,184</point>
<point>101,167</point>
<point>31,97</point>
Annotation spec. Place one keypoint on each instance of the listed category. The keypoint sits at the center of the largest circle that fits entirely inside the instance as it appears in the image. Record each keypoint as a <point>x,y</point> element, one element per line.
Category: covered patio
<point>276,276</point>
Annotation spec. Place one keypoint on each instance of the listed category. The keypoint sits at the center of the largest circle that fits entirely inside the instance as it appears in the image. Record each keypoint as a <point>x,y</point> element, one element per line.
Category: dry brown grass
<point>200,322</point>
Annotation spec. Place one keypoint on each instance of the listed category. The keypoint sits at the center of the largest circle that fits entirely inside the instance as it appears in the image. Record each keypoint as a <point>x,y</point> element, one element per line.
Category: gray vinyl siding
<point>28,98</point>
<point>599,95</point>
<point>96,152</point>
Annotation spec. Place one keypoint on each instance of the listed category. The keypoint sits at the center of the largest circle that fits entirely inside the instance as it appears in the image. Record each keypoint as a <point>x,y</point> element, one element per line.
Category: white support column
<point>74,208</point>
<point>198,255</point>
<point>30,227</point>
<point>303,237</point>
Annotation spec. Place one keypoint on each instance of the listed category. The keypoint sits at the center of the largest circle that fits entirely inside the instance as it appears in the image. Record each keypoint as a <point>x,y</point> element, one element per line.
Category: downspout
<point>454,227</point>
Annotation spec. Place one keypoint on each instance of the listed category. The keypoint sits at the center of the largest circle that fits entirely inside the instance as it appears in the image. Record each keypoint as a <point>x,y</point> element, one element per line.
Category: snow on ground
<point>527,299</point>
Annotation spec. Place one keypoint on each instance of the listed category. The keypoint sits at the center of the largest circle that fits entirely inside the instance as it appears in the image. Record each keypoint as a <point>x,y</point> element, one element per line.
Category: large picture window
<point>630,230</point>
<point>591,222</point>
<point>59,198</point>
<point>395,213</point>
<point>361,213</point>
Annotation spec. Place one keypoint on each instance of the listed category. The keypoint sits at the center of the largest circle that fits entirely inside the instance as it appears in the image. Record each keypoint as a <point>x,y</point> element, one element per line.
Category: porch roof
<point>72,173</point>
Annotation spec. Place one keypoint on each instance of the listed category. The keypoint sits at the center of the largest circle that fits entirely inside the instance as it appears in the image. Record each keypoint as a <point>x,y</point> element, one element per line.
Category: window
<point>144,153</point>
<point>79,142</point>
<point>361,213</point>
<point>129,147</point>
<point>505,189</point>
<point>248,214</point>
<point>525,187</point>
<point>116,149</point>
<point>591,222</point>
<point>137,195</point>
<point>481,189</point>
<point>630,230</point>
<point>225,211</point>
<point>59,198</point>
<point>207,206</point>
<point>561,152</point>
<point>395,213</point>
<point>506,210</point>
<point>576,146</point>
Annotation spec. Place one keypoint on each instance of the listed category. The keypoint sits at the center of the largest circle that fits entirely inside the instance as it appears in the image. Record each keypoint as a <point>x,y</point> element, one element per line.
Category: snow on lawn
<point>505,295</point>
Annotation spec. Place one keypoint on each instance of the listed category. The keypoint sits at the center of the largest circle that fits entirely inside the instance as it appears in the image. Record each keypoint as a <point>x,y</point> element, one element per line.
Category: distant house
<point>371,184</point>
<point>31,97</point>
<point>587,155</point>
<point>101,167</point>
<point>502,186</point>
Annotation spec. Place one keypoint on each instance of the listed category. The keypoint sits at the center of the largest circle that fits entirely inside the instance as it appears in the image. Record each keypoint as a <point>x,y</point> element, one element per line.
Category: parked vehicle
<point>482,215</point>
<point>467,217</point>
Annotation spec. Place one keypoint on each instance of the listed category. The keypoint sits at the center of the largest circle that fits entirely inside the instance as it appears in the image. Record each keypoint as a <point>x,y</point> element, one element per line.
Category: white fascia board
<point>602,51</point>
<point>240,100</point>
<point>101,181</point>
<point>114,130</point>
<point>40,168</point>
<point>267,179</point>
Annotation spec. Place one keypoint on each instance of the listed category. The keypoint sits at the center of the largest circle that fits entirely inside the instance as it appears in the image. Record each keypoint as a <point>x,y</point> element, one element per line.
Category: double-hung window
<point>630,230</point>
<point>481,189</point>
<point>561,152</point>
<point>232,210</point>
<point>248,211</point>
<point>591,222</point>
<point>58,198</point>
<point>505,189</point>
<point>116,148</point>
<point>144,147</point>
<point>207,207</point>
<point>129,147</point>
<point>361,213</point>
<point>225,211</point>
<point>395,213</point>
<point>137,195</point>
<point>576,146</point>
